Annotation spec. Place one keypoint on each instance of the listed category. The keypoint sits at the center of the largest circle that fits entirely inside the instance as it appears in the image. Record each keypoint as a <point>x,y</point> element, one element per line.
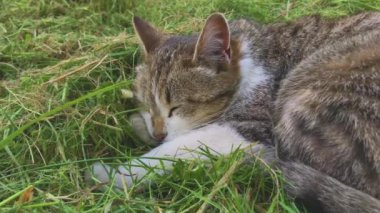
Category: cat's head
<point>185,81</point>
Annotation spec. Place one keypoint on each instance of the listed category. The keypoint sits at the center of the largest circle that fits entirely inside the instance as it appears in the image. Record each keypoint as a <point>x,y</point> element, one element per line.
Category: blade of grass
<point>14,196</point>
<point>46,115</point>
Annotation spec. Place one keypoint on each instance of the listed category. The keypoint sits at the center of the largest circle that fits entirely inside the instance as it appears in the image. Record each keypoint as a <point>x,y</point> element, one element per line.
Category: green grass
<point>62,65</point>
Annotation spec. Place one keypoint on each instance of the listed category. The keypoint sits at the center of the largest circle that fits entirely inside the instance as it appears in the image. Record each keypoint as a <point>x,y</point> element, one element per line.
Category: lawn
<point>63,65</point>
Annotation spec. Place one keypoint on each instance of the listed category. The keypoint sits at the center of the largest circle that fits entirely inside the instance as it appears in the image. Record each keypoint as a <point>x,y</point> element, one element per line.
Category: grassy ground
<point>62,65</point>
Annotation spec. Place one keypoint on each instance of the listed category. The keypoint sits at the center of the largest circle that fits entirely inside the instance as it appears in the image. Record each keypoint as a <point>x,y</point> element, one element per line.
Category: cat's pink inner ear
<point>150,37</point>
<point>214,41</point>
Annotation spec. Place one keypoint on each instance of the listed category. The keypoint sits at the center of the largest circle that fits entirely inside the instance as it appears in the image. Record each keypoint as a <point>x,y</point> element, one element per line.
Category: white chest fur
<point>253,74</point>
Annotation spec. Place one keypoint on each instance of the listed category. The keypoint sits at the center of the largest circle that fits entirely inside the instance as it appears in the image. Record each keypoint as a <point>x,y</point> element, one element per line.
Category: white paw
<point>101,172</point>
<point>124,176</point>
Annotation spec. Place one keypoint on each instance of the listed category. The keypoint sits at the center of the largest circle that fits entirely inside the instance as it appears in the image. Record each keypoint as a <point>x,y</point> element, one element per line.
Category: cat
<point>308,91</point>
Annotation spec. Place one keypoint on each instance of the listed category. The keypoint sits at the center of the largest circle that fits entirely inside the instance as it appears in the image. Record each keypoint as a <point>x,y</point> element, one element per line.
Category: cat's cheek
<point>139,126</point>
<point>148,122</point>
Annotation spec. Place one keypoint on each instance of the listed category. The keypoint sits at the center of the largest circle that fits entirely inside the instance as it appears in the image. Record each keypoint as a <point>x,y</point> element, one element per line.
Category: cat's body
<point>313,86</point>
<point>327,112</point>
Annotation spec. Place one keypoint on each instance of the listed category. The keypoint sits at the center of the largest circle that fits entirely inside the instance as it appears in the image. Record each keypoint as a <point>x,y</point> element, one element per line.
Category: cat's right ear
<point>149,37</point>
<point>214,41</point>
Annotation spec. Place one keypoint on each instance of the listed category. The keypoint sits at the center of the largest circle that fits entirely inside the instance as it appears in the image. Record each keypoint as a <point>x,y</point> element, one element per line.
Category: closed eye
<point>172,110</point>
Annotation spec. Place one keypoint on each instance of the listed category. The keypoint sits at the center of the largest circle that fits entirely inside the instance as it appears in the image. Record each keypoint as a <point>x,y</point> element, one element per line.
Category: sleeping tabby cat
<point>309,88</point>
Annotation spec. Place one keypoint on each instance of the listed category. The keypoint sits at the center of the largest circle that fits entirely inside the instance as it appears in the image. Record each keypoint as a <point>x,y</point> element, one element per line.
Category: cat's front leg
<point>219,139</point>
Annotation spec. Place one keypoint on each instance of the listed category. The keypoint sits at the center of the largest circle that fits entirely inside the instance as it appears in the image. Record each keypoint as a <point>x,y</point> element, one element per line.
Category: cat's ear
<point>150,37</point>
<point>214,41</point>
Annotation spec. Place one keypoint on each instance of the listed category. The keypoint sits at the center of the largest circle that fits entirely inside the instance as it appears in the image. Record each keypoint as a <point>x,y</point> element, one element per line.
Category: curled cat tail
<point>317,191</point>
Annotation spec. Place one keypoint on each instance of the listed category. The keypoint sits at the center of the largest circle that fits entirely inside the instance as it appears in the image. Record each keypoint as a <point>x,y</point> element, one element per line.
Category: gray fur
<point>326,93</point>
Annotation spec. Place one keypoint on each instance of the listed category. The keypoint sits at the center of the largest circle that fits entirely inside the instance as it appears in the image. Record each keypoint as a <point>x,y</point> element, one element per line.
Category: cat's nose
<point>159,136</point>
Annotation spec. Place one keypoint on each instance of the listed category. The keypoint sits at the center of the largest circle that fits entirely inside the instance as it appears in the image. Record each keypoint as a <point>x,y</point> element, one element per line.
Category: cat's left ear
<point>214,42</point>
<point>149,36</point>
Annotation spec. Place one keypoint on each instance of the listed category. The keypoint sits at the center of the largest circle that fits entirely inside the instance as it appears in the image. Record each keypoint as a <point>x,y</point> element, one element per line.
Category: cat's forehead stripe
<point>160,106</point>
